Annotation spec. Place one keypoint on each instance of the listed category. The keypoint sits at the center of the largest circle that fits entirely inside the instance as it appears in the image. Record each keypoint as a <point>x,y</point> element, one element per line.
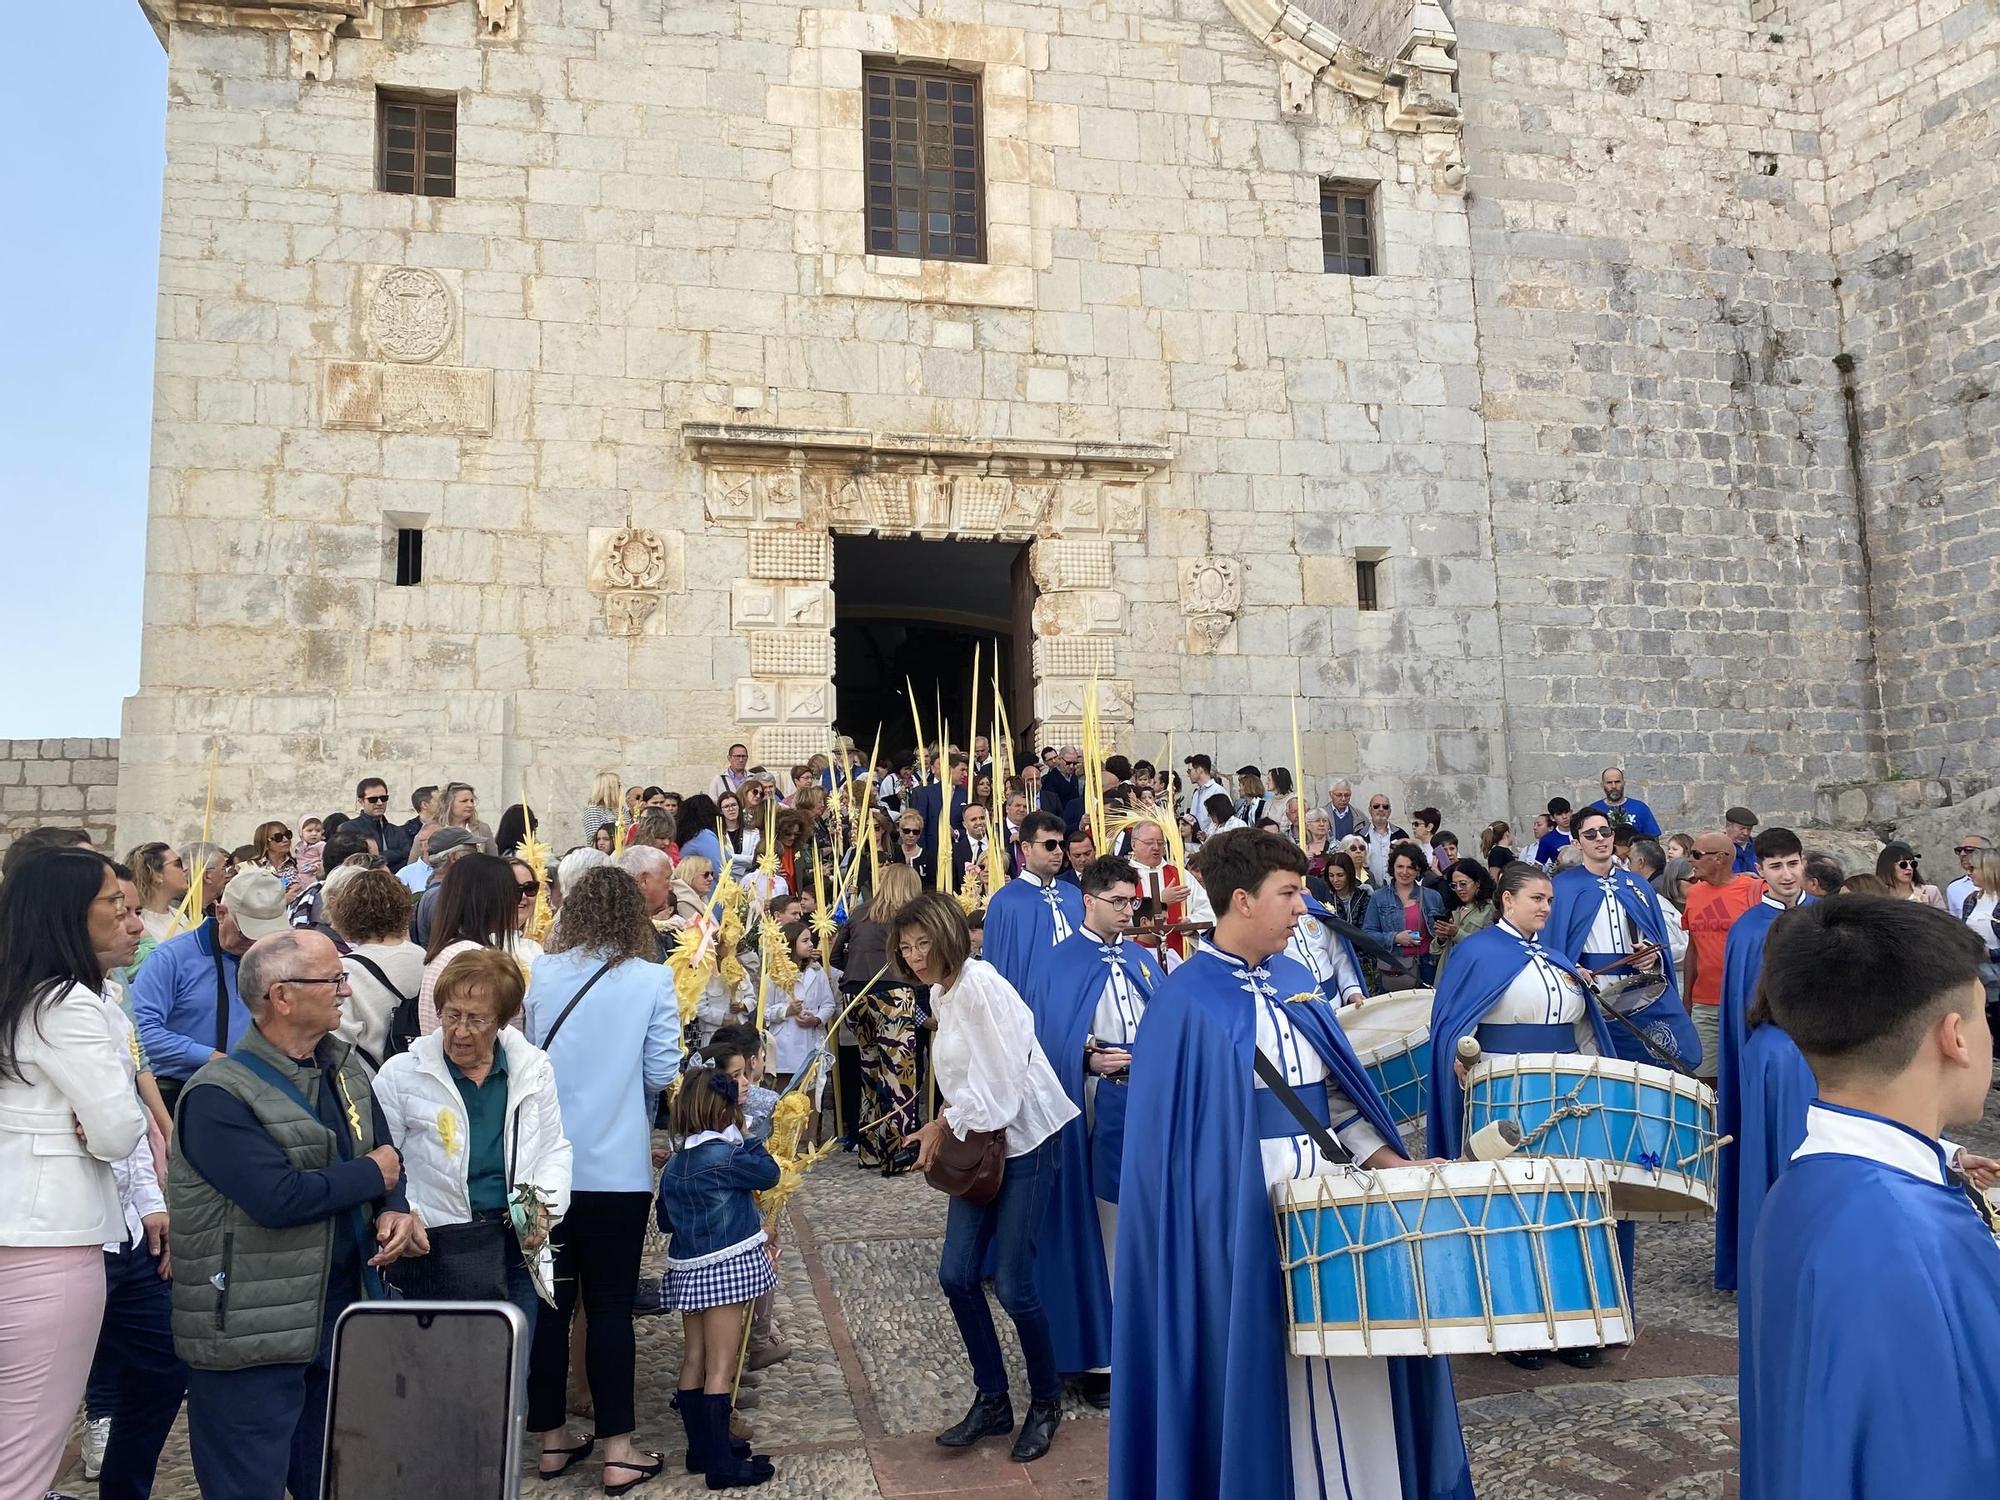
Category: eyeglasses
<point>1906,864</point>
<point>338,984</point>
<point>1048,843</point>
<point>1595,833</point>
<point>383,798</point>
<point>1123,903</point>
<point>1967,849</point>
<point>458,1020</point>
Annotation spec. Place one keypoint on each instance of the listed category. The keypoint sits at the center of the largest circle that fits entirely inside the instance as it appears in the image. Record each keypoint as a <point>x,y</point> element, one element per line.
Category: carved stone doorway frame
<point>789,489</point>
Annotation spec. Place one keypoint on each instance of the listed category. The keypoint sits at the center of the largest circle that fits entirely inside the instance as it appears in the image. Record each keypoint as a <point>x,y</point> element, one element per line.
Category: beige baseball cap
<point>256,898</point>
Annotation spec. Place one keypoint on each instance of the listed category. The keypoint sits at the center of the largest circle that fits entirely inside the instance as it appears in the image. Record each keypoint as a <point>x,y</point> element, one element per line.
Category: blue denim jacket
<point>705,1204</point>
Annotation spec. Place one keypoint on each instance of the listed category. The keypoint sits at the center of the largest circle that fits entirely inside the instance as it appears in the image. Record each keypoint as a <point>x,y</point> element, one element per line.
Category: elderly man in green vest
<point>285,1198</point>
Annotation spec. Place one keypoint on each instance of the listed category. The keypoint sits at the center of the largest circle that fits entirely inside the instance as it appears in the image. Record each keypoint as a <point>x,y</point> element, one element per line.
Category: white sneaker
<point>96,1434</point>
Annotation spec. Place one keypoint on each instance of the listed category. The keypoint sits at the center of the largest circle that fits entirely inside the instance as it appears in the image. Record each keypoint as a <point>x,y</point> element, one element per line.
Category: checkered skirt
<point>741,1278</point>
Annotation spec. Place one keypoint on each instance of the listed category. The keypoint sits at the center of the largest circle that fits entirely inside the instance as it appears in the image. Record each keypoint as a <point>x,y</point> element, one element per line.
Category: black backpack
<point>402,1020</point>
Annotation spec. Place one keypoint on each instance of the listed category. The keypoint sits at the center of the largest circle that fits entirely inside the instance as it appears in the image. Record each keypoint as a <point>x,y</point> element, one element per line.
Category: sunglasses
<point>1906,864</point>
<point>530,889</point>
<point>281,838</point>
<point>383,798</point>
<point>1048,843</point>
<point>1595,833</point>
<point>1967,849</point>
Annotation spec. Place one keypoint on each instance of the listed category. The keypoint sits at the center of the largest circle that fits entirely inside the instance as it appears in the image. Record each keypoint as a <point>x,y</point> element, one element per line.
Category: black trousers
<point>597,1249</point>
<point>137,1380</point>
<point>257,1434</point>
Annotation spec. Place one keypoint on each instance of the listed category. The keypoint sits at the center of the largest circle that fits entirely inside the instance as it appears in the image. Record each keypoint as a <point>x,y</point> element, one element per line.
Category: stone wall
<point>61,783</point>
<point>586,375</point>
<point>1681,584</point>
<point>1909,103</point>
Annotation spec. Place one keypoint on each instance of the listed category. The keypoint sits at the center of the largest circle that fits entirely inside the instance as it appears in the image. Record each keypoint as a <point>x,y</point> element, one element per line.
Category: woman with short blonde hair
<point>601,811</point>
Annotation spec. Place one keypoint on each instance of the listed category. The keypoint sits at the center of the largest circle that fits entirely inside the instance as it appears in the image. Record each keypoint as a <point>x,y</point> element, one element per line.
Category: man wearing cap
<point>185,997</point>
<point>1740,824</point>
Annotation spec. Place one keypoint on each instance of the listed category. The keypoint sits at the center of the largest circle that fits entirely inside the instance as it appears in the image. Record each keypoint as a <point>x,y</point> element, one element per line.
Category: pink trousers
<point>51,1301</point>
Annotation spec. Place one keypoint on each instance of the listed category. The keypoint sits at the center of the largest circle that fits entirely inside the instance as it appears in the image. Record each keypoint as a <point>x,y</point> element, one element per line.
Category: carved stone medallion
<point>410,315</point>
<point>635,559</point>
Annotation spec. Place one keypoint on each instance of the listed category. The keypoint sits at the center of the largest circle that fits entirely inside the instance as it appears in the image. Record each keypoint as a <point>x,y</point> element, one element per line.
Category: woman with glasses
<point>740,837</point>
<point>911,850</point>
<point>67,1112</point>
<point>272,846</point>
<point>527,942</point>
<point>1897,865</point>
<point>473,1109</point>
<point>991,1076</point>
<point>1471,908</point>
<point>217,866</point>
<point>479,906</point>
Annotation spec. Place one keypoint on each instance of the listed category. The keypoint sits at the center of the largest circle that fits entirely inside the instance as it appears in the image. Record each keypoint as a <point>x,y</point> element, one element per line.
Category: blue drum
<point>1469,1257</point>
<point>1654,1129</point>
<point>1391,1036</point>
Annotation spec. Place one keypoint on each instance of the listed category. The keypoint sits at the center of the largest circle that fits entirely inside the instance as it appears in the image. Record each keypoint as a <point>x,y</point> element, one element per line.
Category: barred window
<point>1367,586</point>
<point>925,175</point>
<point>1347,227</point>
<point>416,139</point>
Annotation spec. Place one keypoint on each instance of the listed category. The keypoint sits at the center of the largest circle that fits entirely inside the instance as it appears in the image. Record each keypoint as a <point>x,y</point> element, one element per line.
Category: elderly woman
<point>1318,837</point>
<point>991,1076</point>
<point>911,848</point>
<point>473,1109</point>
<point>370,912</point>
<point>602,1007</point>
<point>217,868</point>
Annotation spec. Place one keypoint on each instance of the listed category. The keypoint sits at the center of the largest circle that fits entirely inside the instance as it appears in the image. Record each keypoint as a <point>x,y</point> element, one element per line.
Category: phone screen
<point>423,1401</point>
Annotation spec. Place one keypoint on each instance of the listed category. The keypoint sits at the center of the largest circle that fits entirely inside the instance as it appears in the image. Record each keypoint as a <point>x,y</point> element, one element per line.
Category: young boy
<point>1871,1301</point>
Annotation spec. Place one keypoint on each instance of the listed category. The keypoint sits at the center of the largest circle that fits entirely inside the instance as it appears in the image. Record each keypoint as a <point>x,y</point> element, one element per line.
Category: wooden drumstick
<point>1469,1051</point>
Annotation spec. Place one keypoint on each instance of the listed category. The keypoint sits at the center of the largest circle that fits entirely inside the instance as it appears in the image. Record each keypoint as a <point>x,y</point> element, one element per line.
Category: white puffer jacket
<point>428,1124</point>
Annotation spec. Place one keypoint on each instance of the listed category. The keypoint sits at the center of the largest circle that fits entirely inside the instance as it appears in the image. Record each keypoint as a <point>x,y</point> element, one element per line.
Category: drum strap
<point>1274,1080</point>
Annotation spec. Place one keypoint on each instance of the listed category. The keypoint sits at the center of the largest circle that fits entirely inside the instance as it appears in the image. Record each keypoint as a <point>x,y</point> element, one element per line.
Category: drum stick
<point>1494,1142</point>
<point>1469,1051</point>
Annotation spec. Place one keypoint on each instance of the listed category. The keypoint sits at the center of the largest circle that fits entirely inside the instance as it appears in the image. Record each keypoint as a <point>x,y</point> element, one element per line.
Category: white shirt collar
<point>732,1135</point>
<point>1512,931</point>
<point>1032,878</point>
<point>1833,1130</point>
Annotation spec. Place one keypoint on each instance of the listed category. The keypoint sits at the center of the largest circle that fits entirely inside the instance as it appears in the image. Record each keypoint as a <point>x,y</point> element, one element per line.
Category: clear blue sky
<point>82,105</point>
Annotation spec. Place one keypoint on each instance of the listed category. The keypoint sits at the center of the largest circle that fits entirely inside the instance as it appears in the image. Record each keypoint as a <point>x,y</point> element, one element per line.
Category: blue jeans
<point>1009,1225</point>
<point>258,1434</point>
<point>136,1378</point>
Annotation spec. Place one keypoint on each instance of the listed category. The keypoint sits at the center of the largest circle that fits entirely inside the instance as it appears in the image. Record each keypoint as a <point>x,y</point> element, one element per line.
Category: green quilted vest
<point>245,1295</point>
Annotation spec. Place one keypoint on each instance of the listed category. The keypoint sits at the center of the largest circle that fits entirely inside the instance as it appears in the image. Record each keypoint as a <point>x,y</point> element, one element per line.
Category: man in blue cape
<point>1089,993</point>
<point>1779,1125</point>
<point>1870,1305</point>
<point>1209,1401</point>
<point>1034,911</point>
<point>1513,993</point>
<point>1599,911</point>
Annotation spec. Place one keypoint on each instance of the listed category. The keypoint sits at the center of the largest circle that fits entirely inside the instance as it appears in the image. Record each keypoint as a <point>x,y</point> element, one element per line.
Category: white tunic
<point>791,1043</point>
<point>1542,995</point>
<point>1343,1425</point>
<point>1313,945</point>
<point>1608,932</point>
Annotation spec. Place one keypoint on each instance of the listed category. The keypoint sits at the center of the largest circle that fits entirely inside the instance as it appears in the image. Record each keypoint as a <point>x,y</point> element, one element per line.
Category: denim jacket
<point>705,1203</point>
<point>1385,912</point>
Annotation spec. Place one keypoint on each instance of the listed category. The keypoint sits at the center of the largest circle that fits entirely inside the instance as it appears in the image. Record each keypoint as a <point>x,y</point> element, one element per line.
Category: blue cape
<point>1742,967</point>
<point>1777,1086</point>
<point>1480,970</point>
<point>1019,928</point>
<point>1577,896</point>
<point>1066,983</point>
<point>1199,1406</point>
<point>1870,1313</point>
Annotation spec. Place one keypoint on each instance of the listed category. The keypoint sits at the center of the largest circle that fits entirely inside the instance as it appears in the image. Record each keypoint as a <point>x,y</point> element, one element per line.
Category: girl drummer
<point>1513,994</point>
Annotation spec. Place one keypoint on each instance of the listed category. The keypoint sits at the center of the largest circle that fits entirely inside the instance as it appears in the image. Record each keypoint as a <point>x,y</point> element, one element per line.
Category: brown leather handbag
<point>973,1168</point>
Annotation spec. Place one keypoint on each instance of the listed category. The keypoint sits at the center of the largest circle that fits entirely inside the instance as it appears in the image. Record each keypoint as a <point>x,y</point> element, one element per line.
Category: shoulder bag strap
<point>1319,1134</point>
<point>380,978</point>
<point>575,1000</point>
<point>221,998</point>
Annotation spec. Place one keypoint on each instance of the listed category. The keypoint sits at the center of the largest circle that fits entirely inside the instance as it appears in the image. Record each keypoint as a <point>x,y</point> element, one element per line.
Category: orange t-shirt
<point>1711,911</point>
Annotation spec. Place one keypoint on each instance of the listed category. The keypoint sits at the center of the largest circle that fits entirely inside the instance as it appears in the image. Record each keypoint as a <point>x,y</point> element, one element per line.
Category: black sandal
<point>644,1471</point>
<point>569,1457</point>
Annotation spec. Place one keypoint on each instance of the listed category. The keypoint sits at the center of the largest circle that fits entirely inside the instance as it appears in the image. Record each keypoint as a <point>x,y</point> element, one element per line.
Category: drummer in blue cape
<point>1089,994</point>
<point>1869,1307</point>
<point>1208,1398</point>
<point>1512,993</point>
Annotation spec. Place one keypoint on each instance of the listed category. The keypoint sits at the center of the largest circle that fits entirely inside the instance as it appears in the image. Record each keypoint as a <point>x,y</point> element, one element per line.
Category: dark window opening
<point>925,172</point>
<point>1366,594</point>
<point>409,556</point>
<point>416,145</point>
<point>1347,228</point>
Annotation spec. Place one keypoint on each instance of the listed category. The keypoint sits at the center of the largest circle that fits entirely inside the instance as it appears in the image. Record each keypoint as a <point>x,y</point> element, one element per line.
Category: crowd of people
<point>356,1057</point>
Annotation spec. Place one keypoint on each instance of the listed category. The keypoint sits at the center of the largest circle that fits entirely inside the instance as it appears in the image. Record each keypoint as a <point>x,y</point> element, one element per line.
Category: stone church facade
<point>1660,420</point>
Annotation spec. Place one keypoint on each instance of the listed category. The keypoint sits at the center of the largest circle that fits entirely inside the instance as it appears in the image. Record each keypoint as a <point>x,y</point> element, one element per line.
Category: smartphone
<point>426,1398</point>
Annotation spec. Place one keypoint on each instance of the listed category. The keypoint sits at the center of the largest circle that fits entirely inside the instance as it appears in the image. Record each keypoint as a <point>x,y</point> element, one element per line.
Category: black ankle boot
<point>727,1469</point>
<point>1526,1360</point>
<point>1038,1430</point>
<point>1580,1359</point>
<point>991,1416</point>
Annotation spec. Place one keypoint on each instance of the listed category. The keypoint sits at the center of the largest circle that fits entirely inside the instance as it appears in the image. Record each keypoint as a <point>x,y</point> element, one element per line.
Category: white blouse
<point>990,1069</point>
<point>1542,995</point>
<point>791,1043</point>
<point>1980,920</point>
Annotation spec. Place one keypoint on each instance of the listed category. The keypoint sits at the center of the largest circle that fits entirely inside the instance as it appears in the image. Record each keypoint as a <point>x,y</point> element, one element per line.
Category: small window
<point>1347,228</point>
<point>409,556</point>
<point>925,173</point>
<point>416,140</point>
<point>1366,593</point>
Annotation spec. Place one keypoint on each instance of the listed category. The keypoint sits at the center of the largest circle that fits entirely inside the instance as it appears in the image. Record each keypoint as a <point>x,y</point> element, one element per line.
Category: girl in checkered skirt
<point>716,1260</point>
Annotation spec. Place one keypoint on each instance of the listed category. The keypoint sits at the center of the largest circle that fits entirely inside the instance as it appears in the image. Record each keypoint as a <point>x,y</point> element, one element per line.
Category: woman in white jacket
<point>67,1111</point>
<point>473,1108</point>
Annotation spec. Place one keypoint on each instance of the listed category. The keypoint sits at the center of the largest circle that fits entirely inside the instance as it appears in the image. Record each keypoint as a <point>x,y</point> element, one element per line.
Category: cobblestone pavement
<point>878,1369</point>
